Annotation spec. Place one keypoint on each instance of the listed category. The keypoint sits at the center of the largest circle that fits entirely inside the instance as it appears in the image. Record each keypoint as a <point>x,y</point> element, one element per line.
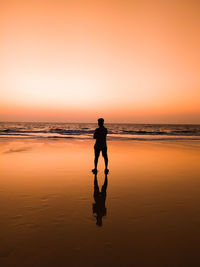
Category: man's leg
<point>96,153</point>
<point>104,153</point>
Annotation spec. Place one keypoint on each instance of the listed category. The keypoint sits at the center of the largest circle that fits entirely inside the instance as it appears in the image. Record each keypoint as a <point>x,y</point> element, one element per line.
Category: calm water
<point>85,131</point>
<point>146,215</point>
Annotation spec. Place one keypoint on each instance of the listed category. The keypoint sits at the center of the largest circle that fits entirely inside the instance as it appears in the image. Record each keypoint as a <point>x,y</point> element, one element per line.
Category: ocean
<point>118,131</point>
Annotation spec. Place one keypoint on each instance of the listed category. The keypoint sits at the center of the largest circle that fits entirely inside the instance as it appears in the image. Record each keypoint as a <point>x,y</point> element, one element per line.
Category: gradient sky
<point>72,61</point>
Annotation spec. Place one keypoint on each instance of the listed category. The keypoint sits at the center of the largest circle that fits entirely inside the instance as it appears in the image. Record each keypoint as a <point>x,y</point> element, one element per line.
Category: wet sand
<point>151,215</point>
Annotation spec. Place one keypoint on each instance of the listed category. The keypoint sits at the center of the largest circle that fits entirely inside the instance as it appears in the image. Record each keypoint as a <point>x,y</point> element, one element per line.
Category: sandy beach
<point>152,212</point>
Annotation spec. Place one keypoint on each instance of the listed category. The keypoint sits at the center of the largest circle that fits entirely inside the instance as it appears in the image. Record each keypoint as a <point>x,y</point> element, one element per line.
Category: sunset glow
<point>71,61</point>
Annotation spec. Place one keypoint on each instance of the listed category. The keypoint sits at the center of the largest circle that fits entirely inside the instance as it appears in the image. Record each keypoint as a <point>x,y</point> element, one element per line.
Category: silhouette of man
<point>99,207</point>
<point>100,145</point>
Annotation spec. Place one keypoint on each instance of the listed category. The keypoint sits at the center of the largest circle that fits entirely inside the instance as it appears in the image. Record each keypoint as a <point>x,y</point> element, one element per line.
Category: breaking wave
<point>85,131</point>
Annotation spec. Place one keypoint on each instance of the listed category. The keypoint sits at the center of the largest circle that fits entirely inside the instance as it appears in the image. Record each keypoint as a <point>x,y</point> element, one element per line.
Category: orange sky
<point>125,60</point>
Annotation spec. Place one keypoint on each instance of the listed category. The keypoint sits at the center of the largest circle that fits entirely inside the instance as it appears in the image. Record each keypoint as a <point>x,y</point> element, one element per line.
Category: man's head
<point>100,122</point>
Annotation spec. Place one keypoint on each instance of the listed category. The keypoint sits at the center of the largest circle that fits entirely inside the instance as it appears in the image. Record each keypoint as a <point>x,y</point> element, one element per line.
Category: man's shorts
<point>98,150</point>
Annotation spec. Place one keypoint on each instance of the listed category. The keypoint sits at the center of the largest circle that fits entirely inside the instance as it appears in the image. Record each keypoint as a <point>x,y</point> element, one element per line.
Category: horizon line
<point>105,122</point>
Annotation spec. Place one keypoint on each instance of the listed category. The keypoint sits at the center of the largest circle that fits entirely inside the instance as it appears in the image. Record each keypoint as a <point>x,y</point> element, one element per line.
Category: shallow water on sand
<point>151,215</point>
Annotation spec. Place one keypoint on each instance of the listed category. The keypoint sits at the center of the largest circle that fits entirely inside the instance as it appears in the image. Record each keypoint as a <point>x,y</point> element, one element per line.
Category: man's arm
<point>95,134</point>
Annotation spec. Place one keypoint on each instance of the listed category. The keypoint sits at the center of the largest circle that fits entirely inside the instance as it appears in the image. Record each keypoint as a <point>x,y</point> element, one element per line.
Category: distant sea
<point>117,131</point>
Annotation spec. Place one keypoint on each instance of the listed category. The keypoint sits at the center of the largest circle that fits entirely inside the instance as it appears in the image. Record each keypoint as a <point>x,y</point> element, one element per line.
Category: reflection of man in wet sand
<point>100,200</point>
<point>100,145</point>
